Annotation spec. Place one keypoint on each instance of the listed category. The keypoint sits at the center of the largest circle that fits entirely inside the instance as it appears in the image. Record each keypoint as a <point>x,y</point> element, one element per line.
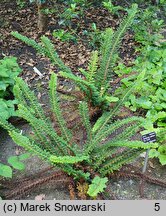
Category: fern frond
<point>109,129</point>
<point>84,72</point>
<point>104,58</point>
<point>7,126</point>
<point>67,159</point>
<point>82,84</point>
<point>45,132</point>
<point>35,149</point>
<point>128,132</point>
<point>105,118</point>
<point>45,48</point>
<point>118,161</point>
<point>100,157</point>
<point>52,54</point>
<point>92,68</point>
<point>84,112</point>
<point>76,173</point>
<point>38,126</point>
<point>19,95</point>
<point>100,122</point>
<point>104,151</point>
<point>28,145</point>
<point>66,133</point>
<point>130,144</point>
<point>30,42</point>
<point>30,98</point>
<point>109,54</point>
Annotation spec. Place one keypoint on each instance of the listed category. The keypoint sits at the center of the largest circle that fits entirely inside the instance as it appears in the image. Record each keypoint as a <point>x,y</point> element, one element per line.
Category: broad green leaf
<point>144,103</point>
<point>2,86</point>
<point>161,115</point>
<point>162,159</point>
<point>97,186</point>
<point>162,149</point>
<point>161,124</point>
<point>157,77</point>
<point>4,72</point>
<point>5,171</point>
<point>153,153</point>
<point>15,163</point>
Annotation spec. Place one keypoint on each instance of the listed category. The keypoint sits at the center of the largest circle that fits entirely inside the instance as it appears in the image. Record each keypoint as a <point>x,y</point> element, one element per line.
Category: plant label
<point>150,137</point>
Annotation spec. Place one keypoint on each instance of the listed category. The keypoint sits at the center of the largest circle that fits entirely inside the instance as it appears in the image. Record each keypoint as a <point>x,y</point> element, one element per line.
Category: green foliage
<point>68,14</point>
<point>111,7</point>
<point>67,159</point>
<point>64,36</point>
<point>84,113</point>
<point>150,93</point>
<point>9,70</point>
<point>20,3</point>
<point>74,9</point>
<point>159,153</point>
<point>98,185</point>
<point>94,36</point>
<point>99,152</point>
<point>15,162</point>
<point>66,133</point>
<point>5,171</point>
<point>109,50</point>
<point>147,26</point>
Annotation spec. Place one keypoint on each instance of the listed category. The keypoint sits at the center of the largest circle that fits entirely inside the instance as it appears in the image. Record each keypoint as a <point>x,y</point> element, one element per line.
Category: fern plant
<point>96,83</point>
<point>103,151</point>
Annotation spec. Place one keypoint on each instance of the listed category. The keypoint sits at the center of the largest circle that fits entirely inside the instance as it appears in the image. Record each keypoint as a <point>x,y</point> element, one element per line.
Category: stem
<point>42,16</point>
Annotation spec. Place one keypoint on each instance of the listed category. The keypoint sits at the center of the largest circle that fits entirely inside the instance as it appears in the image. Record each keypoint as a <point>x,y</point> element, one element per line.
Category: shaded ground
<point>75,55</point>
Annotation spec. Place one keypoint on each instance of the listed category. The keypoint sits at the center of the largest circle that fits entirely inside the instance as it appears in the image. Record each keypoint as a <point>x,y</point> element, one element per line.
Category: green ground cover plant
<point>149,96</point>
<point>15,163</point>
<point>64,36</point>
<point>160,153</point>
<point>108,4</point>
<point>9,69</point>
<point>147,26</point>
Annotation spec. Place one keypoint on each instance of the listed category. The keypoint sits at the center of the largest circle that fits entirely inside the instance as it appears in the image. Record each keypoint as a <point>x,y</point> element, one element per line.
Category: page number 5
<point>157,207</point>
